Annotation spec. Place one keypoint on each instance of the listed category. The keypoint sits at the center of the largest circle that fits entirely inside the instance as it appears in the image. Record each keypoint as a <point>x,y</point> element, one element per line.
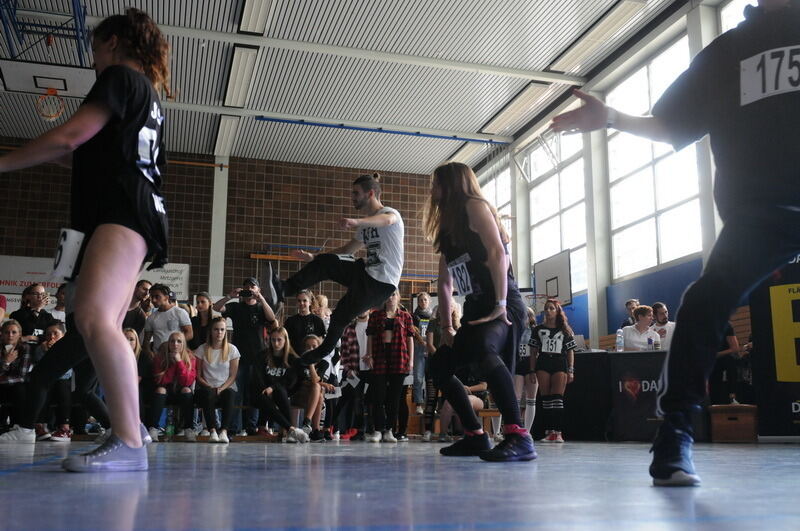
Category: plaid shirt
<point>349,351</point>
<point>391,358</point>
<point>17,371</point>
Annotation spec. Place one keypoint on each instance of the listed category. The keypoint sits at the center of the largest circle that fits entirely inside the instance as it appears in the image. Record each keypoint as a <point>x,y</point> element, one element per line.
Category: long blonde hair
<point>226,347</point>
<point>288,352</point>
<point>186,352</point>
<point>137,348</point>
<point>447,215</point>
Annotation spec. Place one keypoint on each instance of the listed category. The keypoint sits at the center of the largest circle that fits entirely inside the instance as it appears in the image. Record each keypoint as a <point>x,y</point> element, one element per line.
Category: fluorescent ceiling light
<point>242,66</point>
<point>226,135</point>
<point>600,34</point>
<point>255,14</point>
<point>468,153</point>
<point>516,111</point>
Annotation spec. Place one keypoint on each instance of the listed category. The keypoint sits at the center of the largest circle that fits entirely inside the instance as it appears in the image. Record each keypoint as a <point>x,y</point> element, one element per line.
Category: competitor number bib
<point>769,73</point>
<point>460,274</point>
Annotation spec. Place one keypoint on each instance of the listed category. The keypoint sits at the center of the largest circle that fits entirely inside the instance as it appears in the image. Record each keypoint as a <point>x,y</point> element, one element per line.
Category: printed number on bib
<point>69,247</point>
<point>769,73</point>
<point>460,276</point>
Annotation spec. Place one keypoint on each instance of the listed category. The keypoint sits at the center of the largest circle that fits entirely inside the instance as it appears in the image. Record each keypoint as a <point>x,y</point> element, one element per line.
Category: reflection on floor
<point>408,485</point>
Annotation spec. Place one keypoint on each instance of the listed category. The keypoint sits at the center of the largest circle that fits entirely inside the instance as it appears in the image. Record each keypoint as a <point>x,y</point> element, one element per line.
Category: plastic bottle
<point>620,344</point>
<point>170,423</point>
<point>650,344</point>
<point>657,343</point>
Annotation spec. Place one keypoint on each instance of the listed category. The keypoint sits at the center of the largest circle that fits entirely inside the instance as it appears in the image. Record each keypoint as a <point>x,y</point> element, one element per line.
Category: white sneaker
<point>242,433</point>
<point>153,434</point>
<point>213,437</point>
<point>298,435</point>
<point>18,434</point>
<point>420,410</point>
<point>336,436</point>
<point>443,437</point>
<point>190,435</point>
<point>375,437</point>
<point>498,437</point>
<point>205,433</point>
<point>388,437</point>
<point>180,433</point>
<point>427,436</point>
<point>290,437</point>
<point>223,437</point>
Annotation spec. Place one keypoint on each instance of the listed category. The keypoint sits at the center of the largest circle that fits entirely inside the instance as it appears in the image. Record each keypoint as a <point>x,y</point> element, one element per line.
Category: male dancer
<point>743,90</point>
<point>369,281</point>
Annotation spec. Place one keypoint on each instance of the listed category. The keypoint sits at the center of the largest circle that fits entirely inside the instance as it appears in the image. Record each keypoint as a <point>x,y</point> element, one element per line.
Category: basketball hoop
<point>50,106</point>
<point>536,301</point>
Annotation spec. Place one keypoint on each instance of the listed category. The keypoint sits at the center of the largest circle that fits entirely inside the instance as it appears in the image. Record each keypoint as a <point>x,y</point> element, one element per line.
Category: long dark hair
<point>447,216</point>
<point>562,323</point>
<point>142,40</point>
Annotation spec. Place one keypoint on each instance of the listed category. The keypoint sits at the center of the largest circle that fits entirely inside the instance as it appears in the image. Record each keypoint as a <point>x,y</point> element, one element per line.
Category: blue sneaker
<point>112,456</point>
<point>672,464</point>
<point>513,447</point>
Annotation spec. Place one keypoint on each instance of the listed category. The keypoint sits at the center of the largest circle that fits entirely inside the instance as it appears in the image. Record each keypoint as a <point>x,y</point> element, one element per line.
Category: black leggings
<point>61,397</point>
<point>68,353</point>
<point>14,394</point>
<point>351,407</point>
<point>184,401</point>
<point>386,390</point>
<point>491,349</point>
<point>275,407</point>
<point>363,293</point>
<point>431,399</point>
<point>402,411</point>
<point>209,401</point>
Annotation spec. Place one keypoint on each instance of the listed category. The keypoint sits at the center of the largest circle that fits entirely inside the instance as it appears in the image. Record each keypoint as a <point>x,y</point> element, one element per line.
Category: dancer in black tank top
<point>474,261</point>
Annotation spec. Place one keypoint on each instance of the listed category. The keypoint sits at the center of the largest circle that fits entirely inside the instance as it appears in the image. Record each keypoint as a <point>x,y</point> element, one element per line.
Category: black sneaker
<point>672,464</point>
<point>513,447</point>
<point>316,436</point>
<point>358,436</point>
<point>401,437</point>
<point>328,435</point>
<point>467,446</point>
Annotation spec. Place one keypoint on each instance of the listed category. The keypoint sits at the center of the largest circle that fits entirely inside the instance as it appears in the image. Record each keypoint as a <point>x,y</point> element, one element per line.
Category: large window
<point>557,205</point>
<point>497,191</point>
<point>655,211</point>
<point>732,13</point>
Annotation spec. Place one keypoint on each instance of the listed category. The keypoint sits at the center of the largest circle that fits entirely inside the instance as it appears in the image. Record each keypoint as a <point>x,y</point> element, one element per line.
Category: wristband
<point>611,117</point>
<point>501,302</point>
<point>571,370</point>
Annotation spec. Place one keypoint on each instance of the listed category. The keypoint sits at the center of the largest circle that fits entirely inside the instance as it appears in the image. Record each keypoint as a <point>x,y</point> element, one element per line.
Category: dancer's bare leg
<point>109,271</point>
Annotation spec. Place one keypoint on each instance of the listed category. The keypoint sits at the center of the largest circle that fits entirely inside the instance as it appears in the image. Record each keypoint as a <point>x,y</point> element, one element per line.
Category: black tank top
<point>471,276</point>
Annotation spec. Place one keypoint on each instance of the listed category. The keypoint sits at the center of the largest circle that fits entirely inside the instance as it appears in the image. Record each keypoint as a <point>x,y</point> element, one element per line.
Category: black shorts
<point>551,363</point>
<point>523,366</point>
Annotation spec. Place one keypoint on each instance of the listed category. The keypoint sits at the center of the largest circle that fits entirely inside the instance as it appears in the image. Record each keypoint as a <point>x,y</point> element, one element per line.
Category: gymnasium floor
<point>408,485</point>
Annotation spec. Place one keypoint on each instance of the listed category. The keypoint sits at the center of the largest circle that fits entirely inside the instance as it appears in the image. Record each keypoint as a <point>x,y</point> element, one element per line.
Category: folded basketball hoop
<point>50,105</point>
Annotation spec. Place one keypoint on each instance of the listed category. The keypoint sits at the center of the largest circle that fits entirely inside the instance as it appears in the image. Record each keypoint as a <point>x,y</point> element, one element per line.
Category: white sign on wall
<point>176,276</point>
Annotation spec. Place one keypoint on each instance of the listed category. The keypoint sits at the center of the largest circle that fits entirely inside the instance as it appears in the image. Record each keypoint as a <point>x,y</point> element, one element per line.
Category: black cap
<point>252,281</point>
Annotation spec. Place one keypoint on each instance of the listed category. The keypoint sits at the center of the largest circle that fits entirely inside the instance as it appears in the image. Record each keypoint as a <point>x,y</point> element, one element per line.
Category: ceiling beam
<point>343,51</point>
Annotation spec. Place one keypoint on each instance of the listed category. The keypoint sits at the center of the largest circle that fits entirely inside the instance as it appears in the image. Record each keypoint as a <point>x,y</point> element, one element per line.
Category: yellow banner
<point>785,305</point>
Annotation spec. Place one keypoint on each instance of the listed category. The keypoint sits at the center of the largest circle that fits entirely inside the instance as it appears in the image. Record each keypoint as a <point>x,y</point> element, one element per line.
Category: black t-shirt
<point>629,321</point>
<point>299,326</point>
<point>135,319</point>
<point>551,340</point>
<point>249,324</point>
<point>124,157</point>
<point>33,324</point>
<point>729,92</point>
<point>421,320</point>
<point>199,333</point>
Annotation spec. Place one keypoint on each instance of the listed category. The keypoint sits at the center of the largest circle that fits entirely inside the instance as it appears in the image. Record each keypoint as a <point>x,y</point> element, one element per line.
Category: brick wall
<point>268,203</point>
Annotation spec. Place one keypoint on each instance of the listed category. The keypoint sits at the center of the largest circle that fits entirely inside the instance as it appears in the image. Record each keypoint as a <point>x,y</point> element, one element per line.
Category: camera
<point>246,293</point>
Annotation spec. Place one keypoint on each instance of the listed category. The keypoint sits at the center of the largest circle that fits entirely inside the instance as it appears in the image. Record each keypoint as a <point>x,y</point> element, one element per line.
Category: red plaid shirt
<point>390,358</point>
<point>349,350</point>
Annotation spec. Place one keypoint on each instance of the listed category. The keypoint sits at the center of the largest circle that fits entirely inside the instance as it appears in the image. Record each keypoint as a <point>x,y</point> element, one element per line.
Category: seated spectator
<point>59,312</point>
<point>662,325</point>
<point>477,392</point>
<point>636,337</point>
<point>32,316</point>
<point>310,342</point>
<point>303,323</point>
<point>166,320</point>
<point>217,366</point>
<point>60,393</point>
<point>630,306</point>
<point>201,321</point>
<point>273,381</point>
<point>15,364</point>
<point>137,315</point>
<point>174,372</point>
<point>723,377</point>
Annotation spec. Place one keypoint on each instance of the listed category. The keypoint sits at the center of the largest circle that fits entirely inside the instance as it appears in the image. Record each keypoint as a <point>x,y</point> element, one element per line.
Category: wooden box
<point>734,423</point>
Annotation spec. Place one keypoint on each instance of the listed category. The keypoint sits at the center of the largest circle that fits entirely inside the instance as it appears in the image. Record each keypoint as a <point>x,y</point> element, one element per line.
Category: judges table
<point>613,397</point>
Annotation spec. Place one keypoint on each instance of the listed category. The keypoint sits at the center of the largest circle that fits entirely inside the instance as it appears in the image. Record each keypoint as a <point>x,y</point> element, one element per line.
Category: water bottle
<point>170,423</point>
<point>620,345</point>
<point>657,343</point>
<point>650,344</point>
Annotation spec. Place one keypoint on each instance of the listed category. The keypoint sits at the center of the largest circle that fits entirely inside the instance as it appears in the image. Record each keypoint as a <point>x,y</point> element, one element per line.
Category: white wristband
<point>501,302</point>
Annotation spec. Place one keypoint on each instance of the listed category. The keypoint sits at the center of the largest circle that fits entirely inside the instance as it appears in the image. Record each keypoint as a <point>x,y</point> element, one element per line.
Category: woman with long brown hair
<point>115,143</point>
<point>554,348</point>
<point>467,233</point>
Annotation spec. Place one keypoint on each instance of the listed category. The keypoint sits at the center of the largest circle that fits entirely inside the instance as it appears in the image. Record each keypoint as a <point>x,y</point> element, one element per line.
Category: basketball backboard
<point>551,277</point>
